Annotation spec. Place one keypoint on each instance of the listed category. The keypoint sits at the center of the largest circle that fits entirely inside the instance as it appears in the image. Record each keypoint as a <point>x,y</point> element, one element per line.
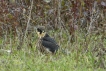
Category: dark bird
<point>46,44</point>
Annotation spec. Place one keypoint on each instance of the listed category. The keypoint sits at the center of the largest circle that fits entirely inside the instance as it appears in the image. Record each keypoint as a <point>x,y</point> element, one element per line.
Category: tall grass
<point>77,56</point>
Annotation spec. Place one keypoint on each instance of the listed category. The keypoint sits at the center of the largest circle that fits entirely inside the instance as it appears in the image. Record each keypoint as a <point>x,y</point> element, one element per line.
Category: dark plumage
<point>46,43</point>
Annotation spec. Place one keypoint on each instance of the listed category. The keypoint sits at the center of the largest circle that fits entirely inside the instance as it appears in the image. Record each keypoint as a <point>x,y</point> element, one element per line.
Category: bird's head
<point>41,32</point>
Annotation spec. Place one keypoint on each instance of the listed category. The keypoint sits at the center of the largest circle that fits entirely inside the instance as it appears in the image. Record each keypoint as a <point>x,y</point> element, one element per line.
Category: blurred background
<point>79,26</point>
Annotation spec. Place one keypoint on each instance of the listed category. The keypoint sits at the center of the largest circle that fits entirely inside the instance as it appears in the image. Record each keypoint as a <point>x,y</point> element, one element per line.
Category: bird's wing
<point>49,39</point>
<point>51,46</point>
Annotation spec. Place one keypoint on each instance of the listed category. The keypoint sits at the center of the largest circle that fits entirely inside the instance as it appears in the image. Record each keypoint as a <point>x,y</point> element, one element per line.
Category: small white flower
<point>9,51</point>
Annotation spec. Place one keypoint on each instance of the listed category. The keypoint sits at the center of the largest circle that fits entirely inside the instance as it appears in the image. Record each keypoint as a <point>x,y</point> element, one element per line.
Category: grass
<point>30,60</point>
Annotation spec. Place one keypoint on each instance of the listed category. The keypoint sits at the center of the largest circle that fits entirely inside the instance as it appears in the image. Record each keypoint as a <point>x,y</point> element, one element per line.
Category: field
<point>77,56</point>
<point>78,26</point>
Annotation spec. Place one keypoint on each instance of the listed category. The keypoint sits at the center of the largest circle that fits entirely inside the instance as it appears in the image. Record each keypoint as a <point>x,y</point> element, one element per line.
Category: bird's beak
<point>41,35</point>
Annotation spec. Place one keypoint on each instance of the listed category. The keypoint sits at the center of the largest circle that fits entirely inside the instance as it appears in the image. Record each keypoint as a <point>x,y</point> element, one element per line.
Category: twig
<point>59,12</point>
<point>29,18</point>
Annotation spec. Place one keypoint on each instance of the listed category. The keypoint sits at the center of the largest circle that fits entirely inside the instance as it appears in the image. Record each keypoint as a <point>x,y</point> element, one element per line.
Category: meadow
<point>78,26</point>
<point>80,55</point>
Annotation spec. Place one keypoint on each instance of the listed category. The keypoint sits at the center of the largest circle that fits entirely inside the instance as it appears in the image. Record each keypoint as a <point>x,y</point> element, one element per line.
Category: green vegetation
<point>79,27</point>
<point>78,57</point>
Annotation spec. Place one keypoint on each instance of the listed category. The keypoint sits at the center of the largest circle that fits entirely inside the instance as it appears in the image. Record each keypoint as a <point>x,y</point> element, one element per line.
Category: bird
<point>46,44</point>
